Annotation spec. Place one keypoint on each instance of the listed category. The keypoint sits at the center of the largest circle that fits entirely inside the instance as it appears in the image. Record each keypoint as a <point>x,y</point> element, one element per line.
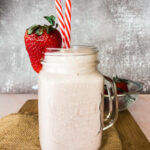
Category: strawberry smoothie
<point>70,100</point>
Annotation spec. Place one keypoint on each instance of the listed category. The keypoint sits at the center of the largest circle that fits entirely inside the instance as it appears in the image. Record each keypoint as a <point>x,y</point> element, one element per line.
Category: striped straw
<point>65,26</point>
<point>68,22</point>
<point>61,20</point>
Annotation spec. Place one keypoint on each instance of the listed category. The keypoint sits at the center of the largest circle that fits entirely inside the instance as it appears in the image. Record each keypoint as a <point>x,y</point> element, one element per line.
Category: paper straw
<point>68,22</point>
<point>61,21</point>
<point>65,26</point>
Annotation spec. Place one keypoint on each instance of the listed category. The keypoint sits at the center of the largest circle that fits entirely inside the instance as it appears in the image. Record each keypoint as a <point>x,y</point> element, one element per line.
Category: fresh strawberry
<point>37,38</point>
<point>122,85</point>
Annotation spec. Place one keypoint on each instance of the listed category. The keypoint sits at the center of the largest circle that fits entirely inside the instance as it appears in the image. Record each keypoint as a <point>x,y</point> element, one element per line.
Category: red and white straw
<point>68,22</point>
<point>64,25</point>
<point>61,20</point>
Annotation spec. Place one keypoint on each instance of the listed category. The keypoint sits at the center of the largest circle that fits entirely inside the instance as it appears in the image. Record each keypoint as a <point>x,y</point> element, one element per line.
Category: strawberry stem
<point>50,19</point>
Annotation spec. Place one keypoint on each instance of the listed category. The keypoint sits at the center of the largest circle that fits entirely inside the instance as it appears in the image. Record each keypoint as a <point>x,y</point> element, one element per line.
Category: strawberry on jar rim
<point>37,38</point>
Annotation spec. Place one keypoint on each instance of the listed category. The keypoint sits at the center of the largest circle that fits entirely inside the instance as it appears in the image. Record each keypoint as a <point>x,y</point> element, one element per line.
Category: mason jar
<point>71,100</point>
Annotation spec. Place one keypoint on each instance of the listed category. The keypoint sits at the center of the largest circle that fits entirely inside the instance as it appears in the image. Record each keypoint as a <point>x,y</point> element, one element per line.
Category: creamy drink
<point>70,87</point>
<point>70,90</point>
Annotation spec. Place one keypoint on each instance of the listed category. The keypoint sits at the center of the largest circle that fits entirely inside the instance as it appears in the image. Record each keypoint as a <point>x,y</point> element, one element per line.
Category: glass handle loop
<point>112,115</point>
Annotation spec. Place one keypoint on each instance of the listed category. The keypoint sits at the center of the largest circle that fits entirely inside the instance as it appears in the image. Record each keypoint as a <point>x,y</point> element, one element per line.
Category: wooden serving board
<point>131,136</point>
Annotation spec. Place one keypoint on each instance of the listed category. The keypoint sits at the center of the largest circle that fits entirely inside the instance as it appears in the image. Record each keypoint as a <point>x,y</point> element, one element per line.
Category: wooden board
<point>130,134</point>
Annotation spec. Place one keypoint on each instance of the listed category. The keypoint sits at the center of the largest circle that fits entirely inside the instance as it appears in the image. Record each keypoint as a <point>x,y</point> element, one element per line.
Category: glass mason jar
<point>71,100</point>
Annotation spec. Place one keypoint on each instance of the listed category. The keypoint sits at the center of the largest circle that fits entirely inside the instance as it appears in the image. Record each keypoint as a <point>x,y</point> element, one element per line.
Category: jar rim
<point>75,50</point>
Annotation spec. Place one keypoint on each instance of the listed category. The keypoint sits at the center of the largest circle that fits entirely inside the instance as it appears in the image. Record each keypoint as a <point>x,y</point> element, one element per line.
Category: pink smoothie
<point>70,98</point>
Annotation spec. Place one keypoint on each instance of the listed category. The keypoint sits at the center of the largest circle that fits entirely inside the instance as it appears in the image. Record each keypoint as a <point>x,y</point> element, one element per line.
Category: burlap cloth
<point>20,132</point>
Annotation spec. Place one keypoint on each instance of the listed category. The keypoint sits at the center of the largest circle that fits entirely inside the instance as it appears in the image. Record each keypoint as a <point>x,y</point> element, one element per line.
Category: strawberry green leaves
<point>50,19</point>
<point>32,29</point>
<point>38,29</point>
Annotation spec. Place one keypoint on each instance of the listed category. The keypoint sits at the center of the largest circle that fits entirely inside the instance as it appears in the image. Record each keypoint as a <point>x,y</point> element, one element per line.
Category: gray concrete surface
<point>120,29</point>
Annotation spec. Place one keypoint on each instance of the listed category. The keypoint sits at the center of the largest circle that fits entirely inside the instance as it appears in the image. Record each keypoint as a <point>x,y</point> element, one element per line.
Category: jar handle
<point>113,105</point>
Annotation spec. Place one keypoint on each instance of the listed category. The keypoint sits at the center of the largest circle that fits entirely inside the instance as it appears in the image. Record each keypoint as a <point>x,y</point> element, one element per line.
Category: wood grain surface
<point>131,136</point>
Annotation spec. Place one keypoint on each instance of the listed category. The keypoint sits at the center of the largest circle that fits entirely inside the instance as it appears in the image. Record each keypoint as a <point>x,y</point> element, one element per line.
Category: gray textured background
<point>120,28</point>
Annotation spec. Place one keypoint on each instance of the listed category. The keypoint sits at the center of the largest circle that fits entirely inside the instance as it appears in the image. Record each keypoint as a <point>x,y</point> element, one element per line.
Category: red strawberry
<point>37,38</point>
<point>122,85</point>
